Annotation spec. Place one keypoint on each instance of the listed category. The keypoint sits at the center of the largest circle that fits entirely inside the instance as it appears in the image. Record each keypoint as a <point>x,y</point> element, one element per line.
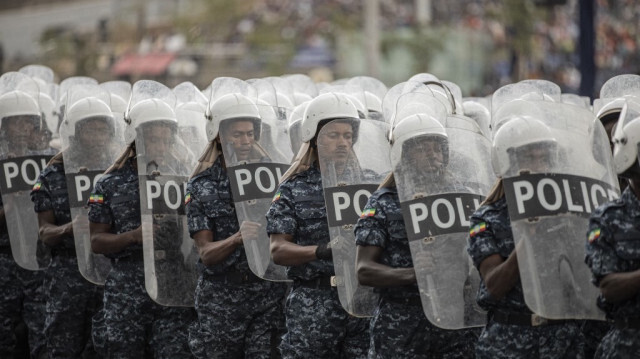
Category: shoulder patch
<point>96,198</point>
<point>187,199</point>
<point>276,196</point>
<point>370,212</point>
<point>594,235</point>
<point>478,228</point>
<point>37,186</point>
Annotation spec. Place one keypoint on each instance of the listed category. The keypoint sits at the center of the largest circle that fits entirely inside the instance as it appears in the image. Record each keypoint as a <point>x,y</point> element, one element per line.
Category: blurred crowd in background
<point>479,44</point>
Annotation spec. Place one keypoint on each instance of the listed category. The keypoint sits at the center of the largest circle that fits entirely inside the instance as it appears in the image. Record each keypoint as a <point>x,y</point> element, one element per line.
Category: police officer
<point>71,300</point>
<point>384,259</point>
<point>512,330</point>
<point>131,325</point>
<point>613,250</point>
<point>238,313</point>
<point>317,325</point>
<point>22,296</point>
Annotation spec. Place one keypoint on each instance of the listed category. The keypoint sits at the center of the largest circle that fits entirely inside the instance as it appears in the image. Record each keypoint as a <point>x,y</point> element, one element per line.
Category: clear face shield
<point>21,134</point>
<point>239,138</point>
<point>335,140</point>
<point>538,157</point>
<point>157,146</point>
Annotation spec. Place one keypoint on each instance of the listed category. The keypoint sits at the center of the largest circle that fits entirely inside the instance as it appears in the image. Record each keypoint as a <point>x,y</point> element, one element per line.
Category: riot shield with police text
<point>24,152</point>
<point>254,174</point>
<point>554,175</point>
<point>354,159</point>
<point>441,180</point>
<point>170,256</point>
<point>91,143</point>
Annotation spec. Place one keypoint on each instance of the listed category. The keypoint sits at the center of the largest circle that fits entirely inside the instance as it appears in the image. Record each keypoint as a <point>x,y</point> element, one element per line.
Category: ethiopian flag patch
<point>96,198</point>
<point>368,213</point>
<point>36,187</point>
<point>276,197</point>
<point>594,235</point>
<point>478,228</point>
<point>187,199</point>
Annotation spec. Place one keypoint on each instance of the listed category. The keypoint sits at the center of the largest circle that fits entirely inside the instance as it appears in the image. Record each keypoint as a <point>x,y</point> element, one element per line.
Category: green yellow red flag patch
<point>36,187</point>
<point>96,198</point>
<point>478,228</point>
<point>187,199</point>
<point>368,213</point>
<point>276,197</point>
<point>594,235</point>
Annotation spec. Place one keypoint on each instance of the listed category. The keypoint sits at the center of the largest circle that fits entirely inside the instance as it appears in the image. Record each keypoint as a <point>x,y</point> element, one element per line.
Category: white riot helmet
<point>150,110</point>
<point>18,103</point>
<point>328,106</point>
<point>420,125</point>
<point>232,107</point>
<point>519,134</point>
<point>626,137</point>
<point>86,109</point>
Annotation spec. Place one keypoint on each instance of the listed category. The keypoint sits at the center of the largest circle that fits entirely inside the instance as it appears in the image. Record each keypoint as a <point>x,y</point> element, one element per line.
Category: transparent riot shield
<point>24,152</point>
<point>254,176</point>
<point>91,143</point>
<point>390,100</point>
<point>350,174</point>
<point>164,167</point>
<point>190,111</point>
<point>441,179</point>
<point>553,180</point>
<point>273,128</point>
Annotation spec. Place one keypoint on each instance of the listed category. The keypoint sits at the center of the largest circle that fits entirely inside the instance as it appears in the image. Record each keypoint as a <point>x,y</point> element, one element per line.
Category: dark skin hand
<point>500,275</point>
<point>50,233</point>
<point>287,253</point>
<point>372,273</point>
<point>620,287</point>
<point>213,252</point>
<point>105,242</point>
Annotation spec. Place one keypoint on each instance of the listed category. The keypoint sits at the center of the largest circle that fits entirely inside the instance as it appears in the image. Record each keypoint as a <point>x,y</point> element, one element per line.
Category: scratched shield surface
<point>552,185</point>
<point>441,180</point>
<point>349,176</point>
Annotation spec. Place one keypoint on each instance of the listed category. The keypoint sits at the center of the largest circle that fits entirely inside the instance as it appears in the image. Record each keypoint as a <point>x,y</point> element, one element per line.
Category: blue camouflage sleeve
<point>41,195</point>
<point>197,218</point>
<point>481,241</point>
<point>600,250</point>
<point>99,206</point>
<point>281,216</point>
<point>371,227</point>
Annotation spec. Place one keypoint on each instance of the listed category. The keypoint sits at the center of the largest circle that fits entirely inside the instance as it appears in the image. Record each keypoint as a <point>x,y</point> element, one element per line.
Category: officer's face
<point>336,139</point>
<point>426,154</point>
<point>19,129</point>
<point>241,136</point>
<point>94,134</point>
<point>158,140</point>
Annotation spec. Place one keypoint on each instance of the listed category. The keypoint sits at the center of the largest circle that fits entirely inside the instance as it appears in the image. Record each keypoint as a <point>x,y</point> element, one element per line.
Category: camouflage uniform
<point>71,300</point>
<point>239,314</point>
<point>21,299</point>
<point>399,324</point>
<point>613,246</point>
<point>131,322</point>
<point>499,340</point>
<point>317,325</point>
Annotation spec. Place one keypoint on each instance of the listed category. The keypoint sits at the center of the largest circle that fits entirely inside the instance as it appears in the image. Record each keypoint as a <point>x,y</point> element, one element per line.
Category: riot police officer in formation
<point>125,256</point>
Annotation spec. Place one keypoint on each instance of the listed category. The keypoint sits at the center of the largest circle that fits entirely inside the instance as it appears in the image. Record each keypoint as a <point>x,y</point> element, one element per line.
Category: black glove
<point>324,251</point>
